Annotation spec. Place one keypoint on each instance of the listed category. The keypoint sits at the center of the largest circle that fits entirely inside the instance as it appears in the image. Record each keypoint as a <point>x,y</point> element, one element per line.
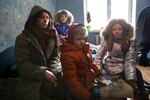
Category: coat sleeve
<point>71,79</point>
<point>23,61</point>
<point>100,54</point>
<point>54,62</point>
<point>130,62</point>
<point>96,69</point>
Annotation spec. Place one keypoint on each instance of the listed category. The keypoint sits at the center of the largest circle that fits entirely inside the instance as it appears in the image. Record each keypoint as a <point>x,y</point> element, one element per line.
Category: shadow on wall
<point>8,74</point>
<point>7,64</point>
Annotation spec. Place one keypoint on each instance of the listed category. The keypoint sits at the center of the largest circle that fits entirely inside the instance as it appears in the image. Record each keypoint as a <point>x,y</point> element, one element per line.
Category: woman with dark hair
<point>37,58</point>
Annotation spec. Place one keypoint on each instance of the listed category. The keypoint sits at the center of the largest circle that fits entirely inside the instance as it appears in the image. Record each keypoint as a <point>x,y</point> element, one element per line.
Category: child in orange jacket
<point>78,68</point>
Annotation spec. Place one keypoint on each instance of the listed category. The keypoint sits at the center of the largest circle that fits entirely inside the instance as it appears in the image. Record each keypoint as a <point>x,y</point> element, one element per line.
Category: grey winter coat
<point>115,61</point>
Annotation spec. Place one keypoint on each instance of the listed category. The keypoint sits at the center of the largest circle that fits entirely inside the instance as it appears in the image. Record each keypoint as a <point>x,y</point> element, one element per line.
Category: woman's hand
<point>50,76</point>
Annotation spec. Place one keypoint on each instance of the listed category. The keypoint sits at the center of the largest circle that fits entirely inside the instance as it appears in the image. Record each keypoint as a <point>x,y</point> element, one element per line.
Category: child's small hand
<point>64,40</point>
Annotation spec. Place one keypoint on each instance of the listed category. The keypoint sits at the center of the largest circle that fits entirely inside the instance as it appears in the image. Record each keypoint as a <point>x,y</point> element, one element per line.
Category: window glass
<point>98,12</point>
<point>102,10</point>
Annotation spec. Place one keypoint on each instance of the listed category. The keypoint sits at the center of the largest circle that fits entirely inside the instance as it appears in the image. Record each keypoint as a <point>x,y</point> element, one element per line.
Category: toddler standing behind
<point>63,18</point>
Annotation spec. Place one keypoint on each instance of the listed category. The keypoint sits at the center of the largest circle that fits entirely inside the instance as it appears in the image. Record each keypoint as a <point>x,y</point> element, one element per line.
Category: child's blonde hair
<point>75,29</point>
<point>59,13</point>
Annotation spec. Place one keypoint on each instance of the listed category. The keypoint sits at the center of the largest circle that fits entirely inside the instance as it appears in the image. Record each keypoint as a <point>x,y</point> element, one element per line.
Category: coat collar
<point>69,47</point>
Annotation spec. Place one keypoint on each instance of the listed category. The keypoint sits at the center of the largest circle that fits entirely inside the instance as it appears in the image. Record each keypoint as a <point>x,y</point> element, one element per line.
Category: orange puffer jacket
<point>79,70</point>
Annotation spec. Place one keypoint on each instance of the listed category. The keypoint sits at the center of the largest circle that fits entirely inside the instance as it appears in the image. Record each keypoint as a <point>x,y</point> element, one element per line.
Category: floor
<point>145,72</point>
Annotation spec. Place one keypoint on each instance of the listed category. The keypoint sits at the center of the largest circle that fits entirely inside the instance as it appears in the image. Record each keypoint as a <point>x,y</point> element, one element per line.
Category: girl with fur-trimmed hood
<point>117,55</point>
<point>63,18</point>
<point>118,49</point>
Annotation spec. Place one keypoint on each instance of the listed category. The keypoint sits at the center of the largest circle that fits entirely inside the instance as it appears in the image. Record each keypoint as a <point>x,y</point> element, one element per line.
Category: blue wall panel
<point>13,14</point>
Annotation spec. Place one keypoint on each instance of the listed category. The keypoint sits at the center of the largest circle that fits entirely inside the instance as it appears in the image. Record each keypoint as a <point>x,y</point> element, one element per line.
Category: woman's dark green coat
<point>31,62</point>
